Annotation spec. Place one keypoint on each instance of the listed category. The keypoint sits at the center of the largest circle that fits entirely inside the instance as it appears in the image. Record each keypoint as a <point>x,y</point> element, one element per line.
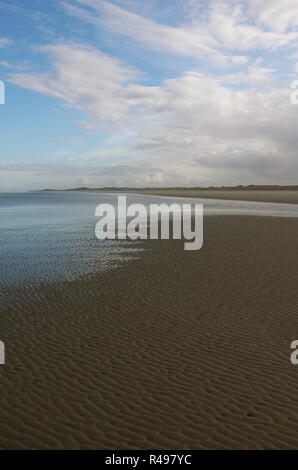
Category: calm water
<point>50,236</point>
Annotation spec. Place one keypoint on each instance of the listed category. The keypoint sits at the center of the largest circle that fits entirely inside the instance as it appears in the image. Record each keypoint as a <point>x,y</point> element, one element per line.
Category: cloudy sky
<point>148,93</point>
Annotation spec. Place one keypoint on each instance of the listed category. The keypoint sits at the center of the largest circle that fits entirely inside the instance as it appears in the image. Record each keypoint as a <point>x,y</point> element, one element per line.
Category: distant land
<point>196,188</point>
<point>258,193</point>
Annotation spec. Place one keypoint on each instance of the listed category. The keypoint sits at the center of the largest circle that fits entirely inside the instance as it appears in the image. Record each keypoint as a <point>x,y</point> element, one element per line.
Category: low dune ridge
<point>173,350</point>
<point>257,193</point>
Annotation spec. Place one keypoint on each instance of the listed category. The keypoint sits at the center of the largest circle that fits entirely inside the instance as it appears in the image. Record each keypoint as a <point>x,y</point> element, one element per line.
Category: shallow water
<point>49,236</point>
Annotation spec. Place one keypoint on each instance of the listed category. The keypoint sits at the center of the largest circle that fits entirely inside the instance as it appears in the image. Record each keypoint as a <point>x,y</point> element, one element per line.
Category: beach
<point>148,228</point>
<point>169,350</point>
<point>285,196</point>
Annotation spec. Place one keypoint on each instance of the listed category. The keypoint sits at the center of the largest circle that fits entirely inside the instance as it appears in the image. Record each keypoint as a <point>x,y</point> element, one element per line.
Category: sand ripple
<point>176,349</point>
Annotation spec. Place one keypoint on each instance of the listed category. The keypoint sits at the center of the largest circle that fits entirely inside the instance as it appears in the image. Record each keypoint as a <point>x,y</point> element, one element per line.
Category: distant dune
<point>182,188</point>
<point>261,193</point>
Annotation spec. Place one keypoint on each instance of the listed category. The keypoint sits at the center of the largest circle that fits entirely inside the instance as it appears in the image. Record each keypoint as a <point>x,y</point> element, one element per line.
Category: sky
<point>148,93</point>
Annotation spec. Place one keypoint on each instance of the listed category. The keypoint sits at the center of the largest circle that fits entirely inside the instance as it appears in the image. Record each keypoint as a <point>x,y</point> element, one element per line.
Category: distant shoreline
<point>261,193</point>
<point>251,187</point>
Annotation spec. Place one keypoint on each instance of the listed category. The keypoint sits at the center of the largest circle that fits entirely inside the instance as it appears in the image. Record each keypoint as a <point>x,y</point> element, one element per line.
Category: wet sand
<point>173,350</point>
<point>261,194</point>
<point>265,195</point>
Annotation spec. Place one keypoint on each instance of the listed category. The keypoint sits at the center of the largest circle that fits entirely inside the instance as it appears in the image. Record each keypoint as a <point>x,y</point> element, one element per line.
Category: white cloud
<point>237,127</point>
<point>198,41</point>
<point>235,30</point>
<point>84,78</point>
<point>41,176</point>
<point>22,66</point>
<point>224,27</point>
<point>276,14</point>
<point>5,42</point>
<point>201,127</point>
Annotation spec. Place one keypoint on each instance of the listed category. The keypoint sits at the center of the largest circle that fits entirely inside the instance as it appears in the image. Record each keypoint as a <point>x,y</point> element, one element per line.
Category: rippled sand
<point>174,350</point>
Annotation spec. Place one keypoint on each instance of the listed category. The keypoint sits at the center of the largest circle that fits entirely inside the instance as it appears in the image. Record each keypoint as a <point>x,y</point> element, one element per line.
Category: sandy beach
<point>171,350</point>
<point>148,227</point>
<point>286,196</point>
